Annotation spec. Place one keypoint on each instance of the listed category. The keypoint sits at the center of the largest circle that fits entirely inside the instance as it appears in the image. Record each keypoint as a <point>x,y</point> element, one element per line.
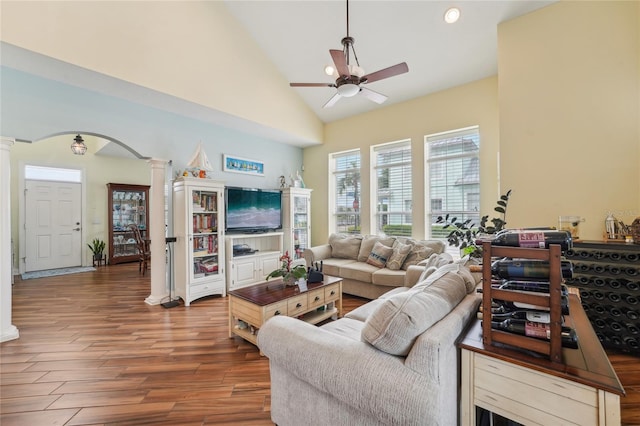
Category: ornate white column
<point>8,331</point>
<point>157,234</point>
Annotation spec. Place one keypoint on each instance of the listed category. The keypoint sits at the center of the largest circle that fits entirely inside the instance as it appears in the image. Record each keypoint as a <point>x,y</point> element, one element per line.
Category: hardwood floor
<point>91,352</point>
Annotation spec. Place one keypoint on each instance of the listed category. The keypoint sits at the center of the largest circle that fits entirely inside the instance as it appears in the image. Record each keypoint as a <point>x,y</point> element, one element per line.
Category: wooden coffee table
<point>250,307</point>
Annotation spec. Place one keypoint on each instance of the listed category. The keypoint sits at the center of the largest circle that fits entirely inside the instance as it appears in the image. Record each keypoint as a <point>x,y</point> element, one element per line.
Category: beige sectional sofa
<point>392,361</point>
<point>370,265</point>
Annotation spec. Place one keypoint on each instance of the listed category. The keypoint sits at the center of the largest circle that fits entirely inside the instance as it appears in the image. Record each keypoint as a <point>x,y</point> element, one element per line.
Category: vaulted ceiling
<point>297,36</point>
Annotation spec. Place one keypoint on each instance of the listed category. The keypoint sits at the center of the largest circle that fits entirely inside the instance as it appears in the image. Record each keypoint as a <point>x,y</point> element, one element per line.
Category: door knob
<point>76,229</point>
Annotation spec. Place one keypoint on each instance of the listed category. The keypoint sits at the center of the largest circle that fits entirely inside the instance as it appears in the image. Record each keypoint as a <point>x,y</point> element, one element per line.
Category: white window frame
<point>334,225</point>
<point>405,210</point>
<point>473,131</point>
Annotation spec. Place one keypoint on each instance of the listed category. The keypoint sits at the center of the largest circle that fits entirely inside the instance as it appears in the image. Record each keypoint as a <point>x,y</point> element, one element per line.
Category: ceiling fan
<point>351,76</point>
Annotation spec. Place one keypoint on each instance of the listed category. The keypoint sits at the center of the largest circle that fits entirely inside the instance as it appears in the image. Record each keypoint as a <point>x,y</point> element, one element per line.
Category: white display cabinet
<point>296,224</point>
<point>251,257</point>
<point>199,229</point>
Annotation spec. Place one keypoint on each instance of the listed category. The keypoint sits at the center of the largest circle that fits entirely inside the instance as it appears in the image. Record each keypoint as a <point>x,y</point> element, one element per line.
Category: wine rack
<point>553,347</point>
<point>608,276</point>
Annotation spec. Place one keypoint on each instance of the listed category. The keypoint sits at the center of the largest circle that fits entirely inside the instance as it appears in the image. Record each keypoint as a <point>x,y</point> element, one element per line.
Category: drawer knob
<point>298,305</point>
<point>316,299</point>
<point>333,292</point>
<point>276,313</point>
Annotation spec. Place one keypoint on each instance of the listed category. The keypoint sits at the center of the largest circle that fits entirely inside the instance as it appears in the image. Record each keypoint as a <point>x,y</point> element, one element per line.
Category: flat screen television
<point>251,210</point>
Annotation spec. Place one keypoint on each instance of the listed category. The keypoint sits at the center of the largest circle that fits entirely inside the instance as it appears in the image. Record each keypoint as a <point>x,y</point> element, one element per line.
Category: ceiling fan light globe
<point>348,90</point>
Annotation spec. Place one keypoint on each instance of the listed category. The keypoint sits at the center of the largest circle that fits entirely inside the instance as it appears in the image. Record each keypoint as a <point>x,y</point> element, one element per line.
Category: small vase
<point>289,281</point>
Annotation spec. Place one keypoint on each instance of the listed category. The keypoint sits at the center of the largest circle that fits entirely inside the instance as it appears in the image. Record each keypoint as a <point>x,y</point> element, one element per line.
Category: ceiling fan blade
<point>340,61</point>
<point>331,102</point>
<point>386,73</point>
<point>374,96</point>
<point>311,84</point>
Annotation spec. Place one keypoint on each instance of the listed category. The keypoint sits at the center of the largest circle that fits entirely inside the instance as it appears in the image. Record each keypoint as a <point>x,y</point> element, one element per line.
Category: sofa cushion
<point>346,327</point>
<point>358,271</point>
<point>421,250</point>
<point>400,253</point>
<point>401,318</point>
<point>345,246</point>
<point>368,241</point>
<point>361,313</point>
<point>387,277</point>
<point>332,266</point>
<point>379,255</point>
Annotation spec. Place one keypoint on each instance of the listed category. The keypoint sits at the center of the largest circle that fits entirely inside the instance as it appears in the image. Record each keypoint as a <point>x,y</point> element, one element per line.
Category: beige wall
<point>98,171</point>
<point>471,104</point>
<point>194,50</point>
<point>569,107</point>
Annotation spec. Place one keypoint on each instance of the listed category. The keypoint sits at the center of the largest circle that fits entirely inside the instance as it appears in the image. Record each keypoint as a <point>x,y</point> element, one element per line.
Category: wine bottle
<point>599,282</point>
<point>632,286</point>
<point>631,314</point>
<point>509,306</point>
<point>533,316</point>
<point>597,295</point>
<point>613,297</point>
<point>632,272</point>
<point>632,257</point>
<point>534,239</point>
<point>631,328</point>
<point>582,267</point>
<point>631,300</point>
<point>615,256</point>
<point>537,330</point>
<point>534,286</point>
<point>614,325</point>
<point>615,270</point>
<point>632,343</point>
<point>527,268</point>
<point>615,283</point>
<point>599,268</point>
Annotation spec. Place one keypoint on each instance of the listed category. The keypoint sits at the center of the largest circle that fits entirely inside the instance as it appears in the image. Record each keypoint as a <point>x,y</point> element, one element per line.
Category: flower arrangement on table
<point>289,274</point>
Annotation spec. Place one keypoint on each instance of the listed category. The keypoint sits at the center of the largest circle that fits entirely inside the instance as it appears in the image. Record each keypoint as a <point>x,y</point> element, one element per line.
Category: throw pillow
<point>400,253</point>
<point>418,253</point>
<point>395,325</point>
<point>368,241</point>
<point>345,246</point>
<point>379,255</point>
<point>445,274</point>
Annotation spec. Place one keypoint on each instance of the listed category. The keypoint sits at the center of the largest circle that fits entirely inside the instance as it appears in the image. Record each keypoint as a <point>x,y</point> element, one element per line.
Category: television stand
<point>246,268</point>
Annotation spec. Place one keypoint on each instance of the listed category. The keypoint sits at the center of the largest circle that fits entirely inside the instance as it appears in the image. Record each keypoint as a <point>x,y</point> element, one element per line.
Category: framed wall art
<point>231,163</point>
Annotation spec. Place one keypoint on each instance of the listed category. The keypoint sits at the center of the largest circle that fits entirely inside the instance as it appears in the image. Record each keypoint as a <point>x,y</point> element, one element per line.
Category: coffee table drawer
<point>247,312</point>
<point>332,292</point>
<point>297,305</point>
<point>316,298</point>
<point>275,309</point>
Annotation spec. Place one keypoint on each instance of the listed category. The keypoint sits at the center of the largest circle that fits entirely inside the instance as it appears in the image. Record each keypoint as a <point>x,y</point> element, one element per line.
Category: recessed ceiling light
<point>452,15</point>
<point>329,70</point>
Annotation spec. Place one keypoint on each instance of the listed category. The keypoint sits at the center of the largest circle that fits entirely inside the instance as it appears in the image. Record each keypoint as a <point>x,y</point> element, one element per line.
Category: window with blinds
<point>391,166</point>
<point>453,165</point>
<point>345,191</point>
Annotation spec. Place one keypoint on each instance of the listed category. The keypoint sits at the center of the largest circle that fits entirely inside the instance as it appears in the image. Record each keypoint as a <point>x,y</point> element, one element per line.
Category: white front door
<point>52,225</point>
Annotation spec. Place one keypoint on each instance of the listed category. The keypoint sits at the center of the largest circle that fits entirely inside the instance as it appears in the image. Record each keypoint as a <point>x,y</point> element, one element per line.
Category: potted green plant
<point>464,234</point>
<point>290,275</point>
<point>97,248</point>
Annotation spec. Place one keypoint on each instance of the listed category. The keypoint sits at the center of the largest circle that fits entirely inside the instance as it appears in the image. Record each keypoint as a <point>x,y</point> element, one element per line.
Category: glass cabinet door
<point>128,204</point>
<point>300,225</point>
<point>204,216</point>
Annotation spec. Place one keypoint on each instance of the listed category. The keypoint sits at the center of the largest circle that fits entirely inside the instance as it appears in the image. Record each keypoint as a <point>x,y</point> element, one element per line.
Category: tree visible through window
<point>394,199</point>
<point>345,188</point>
<point>453,187</point>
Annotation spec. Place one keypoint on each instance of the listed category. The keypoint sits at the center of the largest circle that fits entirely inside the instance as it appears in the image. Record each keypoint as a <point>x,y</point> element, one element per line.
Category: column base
<point>10,333</point>
<point>155,300</point>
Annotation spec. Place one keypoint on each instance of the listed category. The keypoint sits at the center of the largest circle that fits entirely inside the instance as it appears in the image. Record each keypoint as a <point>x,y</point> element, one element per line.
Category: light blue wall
<point>33,108</point>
